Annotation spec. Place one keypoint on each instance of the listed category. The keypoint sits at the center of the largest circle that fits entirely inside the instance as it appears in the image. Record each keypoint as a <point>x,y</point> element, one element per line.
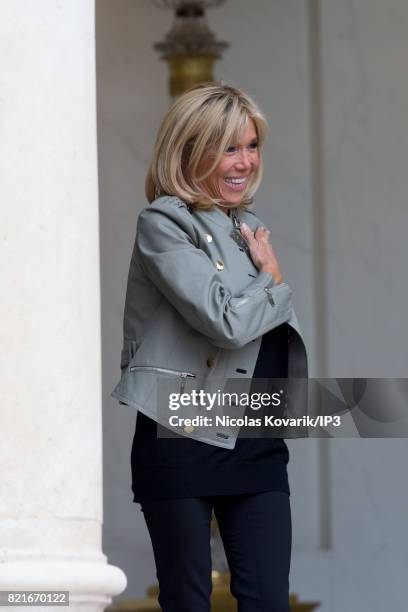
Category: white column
<point>51,431</point>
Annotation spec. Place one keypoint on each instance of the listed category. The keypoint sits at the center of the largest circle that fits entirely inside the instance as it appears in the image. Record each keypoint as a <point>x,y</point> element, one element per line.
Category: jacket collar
<point>218,216</point>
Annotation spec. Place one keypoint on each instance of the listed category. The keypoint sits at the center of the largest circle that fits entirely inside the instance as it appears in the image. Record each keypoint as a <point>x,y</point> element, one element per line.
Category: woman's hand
<point>261,251</point>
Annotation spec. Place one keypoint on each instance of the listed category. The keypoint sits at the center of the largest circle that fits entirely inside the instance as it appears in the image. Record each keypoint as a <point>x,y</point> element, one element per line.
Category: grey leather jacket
<point>195,311</point>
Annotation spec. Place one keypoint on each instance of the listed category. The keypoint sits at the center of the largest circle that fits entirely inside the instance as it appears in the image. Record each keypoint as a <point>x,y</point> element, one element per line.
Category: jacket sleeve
<point>191,283</point>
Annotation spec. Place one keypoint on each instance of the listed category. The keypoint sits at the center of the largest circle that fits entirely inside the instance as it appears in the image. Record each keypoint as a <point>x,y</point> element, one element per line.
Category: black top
<point>164,468</point>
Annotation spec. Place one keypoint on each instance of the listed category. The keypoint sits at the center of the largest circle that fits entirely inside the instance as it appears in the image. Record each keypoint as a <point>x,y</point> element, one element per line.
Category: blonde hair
<point>209,116</point>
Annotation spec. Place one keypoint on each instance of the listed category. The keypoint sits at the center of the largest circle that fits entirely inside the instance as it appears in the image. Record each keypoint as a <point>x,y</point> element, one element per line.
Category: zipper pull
<point>184,376</point>
<point>270,297</point>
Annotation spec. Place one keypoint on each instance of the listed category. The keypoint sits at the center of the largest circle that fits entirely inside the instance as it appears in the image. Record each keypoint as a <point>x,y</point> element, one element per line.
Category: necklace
<point>235,233</point>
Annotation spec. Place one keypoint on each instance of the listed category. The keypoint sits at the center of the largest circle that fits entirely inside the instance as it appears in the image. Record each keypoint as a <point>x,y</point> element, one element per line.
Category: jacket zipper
<point>183,375</point>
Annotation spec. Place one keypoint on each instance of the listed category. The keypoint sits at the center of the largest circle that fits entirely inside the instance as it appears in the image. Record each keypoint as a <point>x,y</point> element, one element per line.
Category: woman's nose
<point>244,161</point>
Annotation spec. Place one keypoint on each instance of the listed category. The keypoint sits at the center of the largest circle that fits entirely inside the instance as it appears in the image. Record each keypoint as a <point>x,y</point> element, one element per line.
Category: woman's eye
<point>232,149</point>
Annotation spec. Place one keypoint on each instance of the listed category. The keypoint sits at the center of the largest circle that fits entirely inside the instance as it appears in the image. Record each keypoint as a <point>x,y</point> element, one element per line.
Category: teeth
<point>235,181</point>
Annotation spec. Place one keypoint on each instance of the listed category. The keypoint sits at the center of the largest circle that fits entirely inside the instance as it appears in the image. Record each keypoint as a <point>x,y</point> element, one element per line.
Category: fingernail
<point>244,227</point>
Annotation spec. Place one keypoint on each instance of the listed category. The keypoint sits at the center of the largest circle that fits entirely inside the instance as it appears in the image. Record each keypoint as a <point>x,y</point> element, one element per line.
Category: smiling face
<point>238,164</point>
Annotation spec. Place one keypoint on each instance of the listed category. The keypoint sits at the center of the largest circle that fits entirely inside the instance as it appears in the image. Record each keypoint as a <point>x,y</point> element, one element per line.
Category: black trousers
<point>256,531</point>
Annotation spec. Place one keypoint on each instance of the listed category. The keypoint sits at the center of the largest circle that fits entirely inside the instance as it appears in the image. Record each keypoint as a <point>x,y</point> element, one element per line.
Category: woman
<point>206,302</point>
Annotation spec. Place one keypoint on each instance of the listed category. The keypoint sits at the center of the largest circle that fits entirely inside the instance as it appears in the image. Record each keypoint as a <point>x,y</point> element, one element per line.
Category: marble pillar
<point>51,443</point>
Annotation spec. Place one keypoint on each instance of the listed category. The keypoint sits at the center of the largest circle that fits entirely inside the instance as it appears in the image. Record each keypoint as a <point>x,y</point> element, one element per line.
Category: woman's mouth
<point>236,184</point>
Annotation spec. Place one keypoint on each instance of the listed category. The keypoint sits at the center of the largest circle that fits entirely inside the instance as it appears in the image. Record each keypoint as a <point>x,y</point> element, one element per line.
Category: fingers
<point>260,232</point>
<point>246,232</point>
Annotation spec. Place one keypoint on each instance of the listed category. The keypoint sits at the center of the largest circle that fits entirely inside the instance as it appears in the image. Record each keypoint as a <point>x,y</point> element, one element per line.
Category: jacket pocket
<point>166,372</point>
